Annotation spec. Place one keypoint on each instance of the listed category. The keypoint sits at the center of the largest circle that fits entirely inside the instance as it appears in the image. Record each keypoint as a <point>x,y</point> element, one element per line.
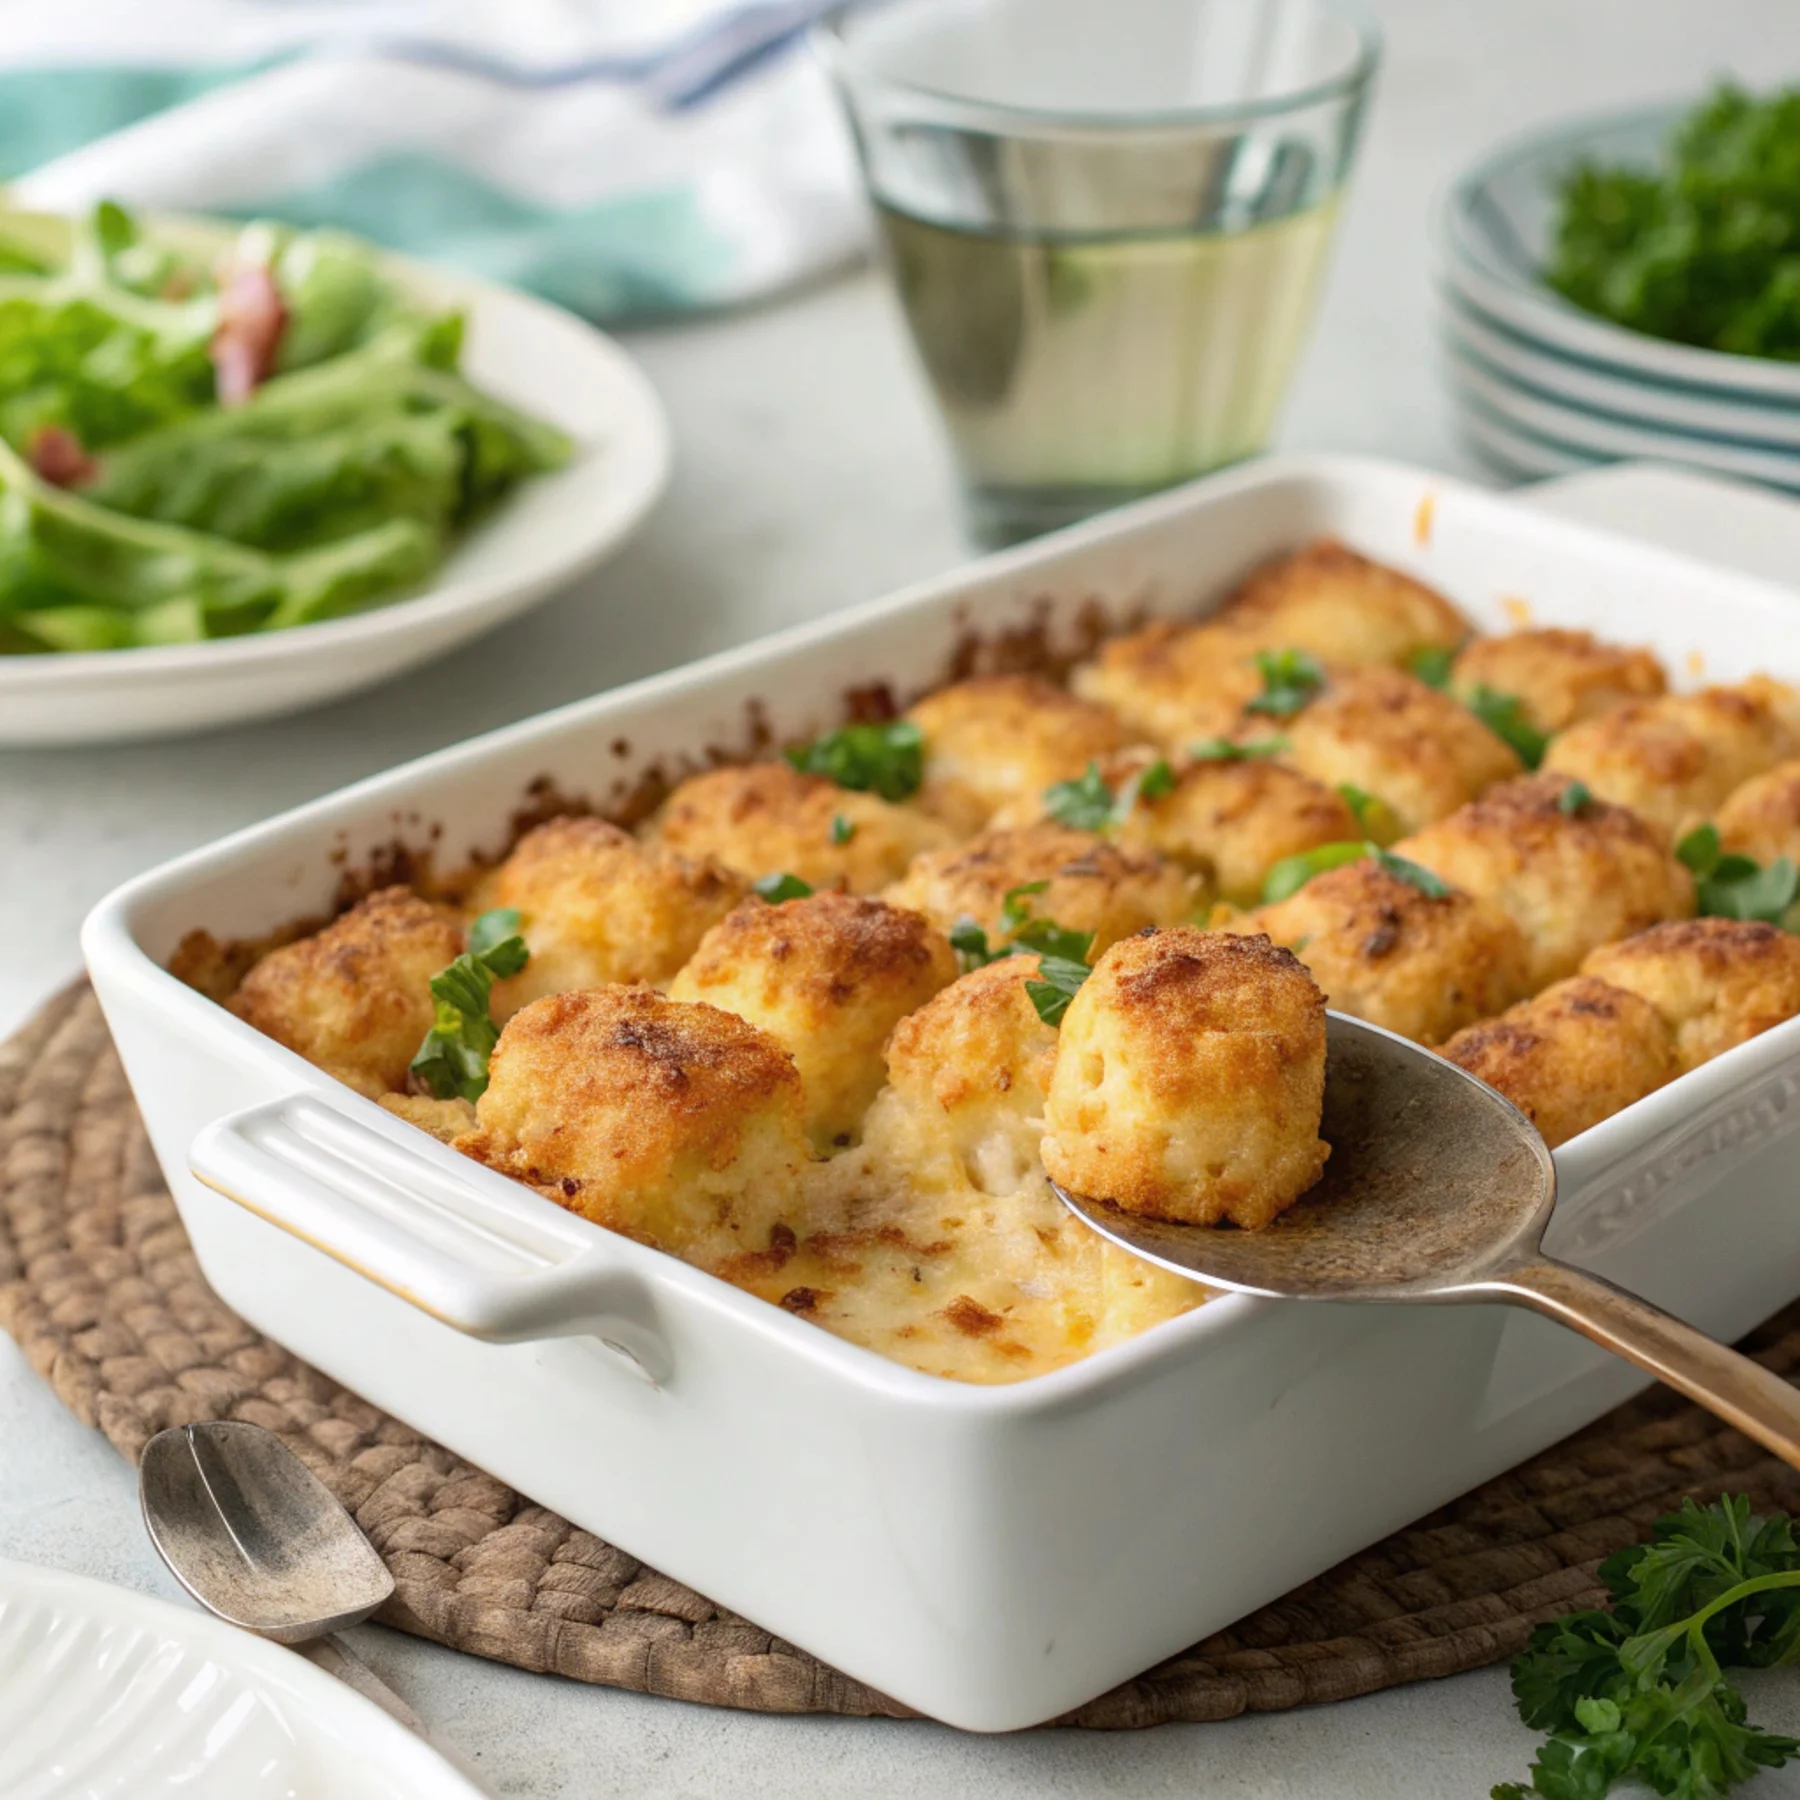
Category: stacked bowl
<point>1542,387</point>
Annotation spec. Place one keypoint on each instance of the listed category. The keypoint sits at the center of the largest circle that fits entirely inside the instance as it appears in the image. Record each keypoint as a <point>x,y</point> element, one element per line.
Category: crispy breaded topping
<point>1574,1055</point>
<point>355,998</point>
<point>596,906</point>
<point>828,977</point>
<point>1189,1079</point>
<point>1761,819</point>
<point>1558,677</point>
<point>1570,878</point>
<point>1716,982</point>
<point>998,740</point>
<point>768,818</point>
<point>1339,606</point>
<point>677,1124</point>
<point>1675,759</point>
<point>1391,735</point>
<point>1094,885</point>
<point>1422,965</point>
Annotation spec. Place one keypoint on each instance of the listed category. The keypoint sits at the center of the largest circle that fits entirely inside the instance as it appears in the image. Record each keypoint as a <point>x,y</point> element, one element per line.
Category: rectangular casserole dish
<point>990,1556</point>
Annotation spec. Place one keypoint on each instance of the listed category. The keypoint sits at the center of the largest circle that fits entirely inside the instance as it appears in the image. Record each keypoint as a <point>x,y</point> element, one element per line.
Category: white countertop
<point>810,475</point>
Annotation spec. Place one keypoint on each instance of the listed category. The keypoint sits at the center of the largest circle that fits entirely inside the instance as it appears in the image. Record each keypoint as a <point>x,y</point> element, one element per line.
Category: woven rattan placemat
<point>100,1288</point>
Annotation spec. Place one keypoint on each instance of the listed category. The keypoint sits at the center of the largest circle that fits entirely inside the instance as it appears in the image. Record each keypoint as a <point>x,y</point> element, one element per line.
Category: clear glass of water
<point>1107,221</point>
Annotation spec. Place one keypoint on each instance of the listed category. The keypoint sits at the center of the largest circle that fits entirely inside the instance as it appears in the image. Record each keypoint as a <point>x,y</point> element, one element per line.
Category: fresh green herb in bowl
<point>1704,250</point>
<point>196,447</point>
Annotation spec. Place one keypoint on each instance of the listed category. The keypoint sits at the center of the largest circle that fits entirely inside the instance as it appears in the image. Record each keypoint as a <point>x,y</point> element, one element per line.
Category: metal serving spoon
<point>1439,1190</point>
<point>259,1540</point>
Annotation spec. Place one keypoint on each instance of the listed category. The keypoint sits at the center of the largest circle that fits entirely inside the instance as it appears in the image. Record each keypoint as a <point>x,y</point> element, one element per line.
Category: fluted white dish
<point>106,1694</point>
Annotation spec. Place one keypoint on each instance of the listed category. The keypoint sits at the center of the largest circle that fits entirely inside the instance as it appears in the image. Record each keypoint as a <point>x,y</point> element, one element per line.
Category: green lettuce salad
<point>195,449</point>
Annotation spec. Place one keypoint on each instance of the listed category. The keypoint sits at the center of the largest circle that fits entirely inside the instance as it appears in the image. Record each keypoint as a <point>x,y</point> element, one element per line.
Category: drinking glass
<point>1107,221</point>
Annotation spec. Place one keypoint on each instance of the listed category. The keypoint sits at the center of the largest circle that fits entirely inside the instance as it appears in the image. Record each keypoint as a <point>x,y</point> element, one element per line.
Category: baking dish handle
<point>489,1259</point>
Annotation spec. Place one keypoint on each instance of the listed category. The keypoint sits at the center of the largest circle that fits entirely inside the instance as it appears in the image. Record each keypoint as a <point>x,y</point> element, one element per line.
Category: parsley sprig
<point>452,1062</point>
<point>1639,1693</point>
<point>1218,749</point>
<point>1088,804</point>
<point>1732,886</point>
<point>1432,664</point>
<point>779,885</point>
<point>1504,716</point>
<point>1575,799</point>
<point>888,759</point>
<point>1290,679</point>
<point>1292,873</point>
<point>1061,953</point>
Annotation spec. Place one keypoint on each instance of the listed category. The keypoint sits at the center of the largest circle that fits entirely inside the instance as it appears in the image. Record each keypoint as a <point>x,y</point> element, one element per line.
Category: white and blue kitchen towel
<point>622,157</point>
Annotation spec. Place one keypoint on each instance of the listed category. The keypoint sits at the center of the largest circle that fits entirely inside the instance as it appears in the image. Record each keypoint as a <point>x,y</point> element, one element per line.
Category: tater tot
<point>1383,950</point>
<point>596,906</point>
<point>1761,819</point>
<point>1570,877</point>
<point>1171,682</point>
<point>1189,1080</point>
<point>967,1074</point>
<point>769,819</point>
<point>998,739</point>
<point>355,998</point>
<point>1232,821</point>
<point>676,1124</point>
<point>1389,734</point>
<point>827,977</point>
<point>1341,607</point>
<point>1573,1055</point>
<point>1716,982</point>
<point>1558,677</point>
<point>1092,886</point>
<point>1676,759</point>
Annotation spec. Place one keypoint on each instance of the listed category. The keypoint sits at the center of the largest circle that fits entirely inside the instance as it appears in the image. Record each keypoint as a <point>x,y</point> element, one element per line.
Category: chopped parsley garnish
<point>1639,1693</point>
<point>452,1062</point>
<point>1700,247</point>
<point>1573,798</point>
<point>842,829</point>
<point>1292,873</point>
<point>1218,749</point>
<point>1290,679</point>
<point>1088,804</point>
<point>1731,886</point>
<point>1504,716</point>
<point>888,760</point>
<point>1412,873</point>
<point>1373,815</point>
<point>781,886</point>
<point>1432,664</point>
<point>1061,953</point>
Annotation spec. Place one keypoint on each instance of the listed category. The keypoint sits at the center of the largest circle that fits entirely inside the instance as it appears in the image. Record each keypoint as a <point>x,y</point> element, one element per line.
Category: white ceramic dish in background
<point>1493,235</point>
<point>991,1556</point>
<point>1589,387</point>
<point>1516,453</point>
<point>551,530</point>
<point>1601,437</point>
<point>105,1692</point>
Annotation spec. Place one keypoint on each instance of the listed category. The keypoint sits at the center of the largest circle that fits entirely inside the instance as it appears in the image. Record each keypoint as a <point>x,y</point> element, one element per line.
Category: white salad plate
<point>989,1555</point>
<point>106,1694</point>
<point>552,529</point>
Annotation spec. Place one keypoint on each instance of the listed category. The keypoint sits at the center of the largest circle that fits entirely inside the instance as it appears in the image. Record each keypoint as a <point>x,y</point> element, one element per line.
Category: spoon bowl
<point>1438,1191</point>
<point>254,1535</point>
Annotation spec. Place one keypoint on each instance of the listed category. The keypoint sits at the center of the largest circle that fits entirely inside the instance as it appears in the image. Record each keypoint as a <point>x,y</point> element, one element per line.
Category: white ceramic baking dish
<point>991,1556</point>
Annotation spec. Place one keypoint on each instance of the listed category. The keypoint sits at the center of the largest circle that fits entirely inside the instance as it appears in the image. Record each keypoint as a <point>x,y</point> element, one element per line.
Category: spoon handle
<point>1724,1381</point>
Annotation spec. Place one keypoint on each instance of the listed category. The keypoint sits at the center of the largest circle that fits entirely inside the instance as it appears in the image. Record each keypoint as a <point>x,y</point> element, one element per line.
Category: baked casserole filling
<point>825,1025</point>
